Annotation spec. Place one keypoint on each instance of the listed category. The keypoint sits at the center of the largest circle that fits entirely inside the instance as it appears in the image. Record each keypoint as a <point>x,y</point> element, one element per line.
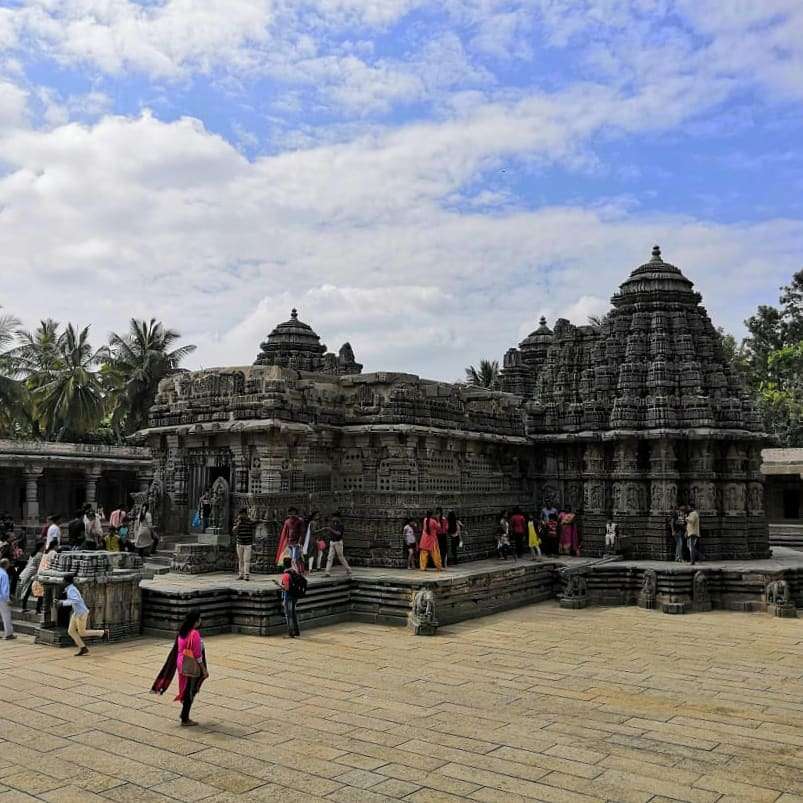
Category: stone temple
<point>621,421</point>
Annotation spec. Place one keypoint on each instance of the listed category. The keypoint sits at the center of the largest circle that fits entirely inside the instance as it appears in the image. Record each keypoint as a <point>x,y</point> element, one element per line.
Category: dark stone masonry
<point>622,421</point>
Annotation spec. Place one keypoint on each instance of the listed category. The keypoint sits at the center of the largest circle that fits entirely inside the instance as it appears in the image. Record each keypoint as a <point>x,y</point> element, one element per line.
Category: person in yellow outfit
<point>428,545</point>
<point>534,541</point>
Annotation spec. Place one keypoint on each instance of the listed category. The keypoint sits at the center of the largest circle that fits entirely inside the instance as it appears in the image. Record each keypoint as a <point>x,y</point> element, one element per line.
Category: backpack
<point>298,585</point>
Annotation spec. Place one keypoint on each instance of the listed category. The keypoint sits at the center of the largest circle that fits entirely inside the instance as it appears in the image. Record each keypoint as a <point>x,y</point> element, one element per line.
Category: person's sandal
<point>188,723</point>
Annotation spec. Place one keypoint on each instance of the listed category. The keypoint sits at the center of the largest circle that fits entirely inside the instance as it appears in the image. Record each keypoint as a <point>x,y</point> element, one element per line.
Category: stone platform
<point>738,585</point>
<point>467,591</point>
<point>371,595</point>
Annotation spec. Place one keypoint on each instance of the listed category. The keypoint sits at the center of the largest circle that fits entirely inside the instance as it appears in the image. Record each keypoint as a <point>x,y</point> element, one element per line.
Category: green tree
<point>486,376</point>
<point>11,392</point>
<point>773,362</point>
<point>69,399</point>
<point>35,359</point>
<point>136,363</point>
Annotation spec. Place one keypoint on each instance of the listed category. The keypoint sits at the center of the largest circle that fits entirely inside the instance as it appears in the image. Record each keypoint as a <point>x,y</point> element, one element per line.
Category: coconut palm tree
<point>137,362</point>
<point>37,354</point>
<point>69,398</point>
<point>486,376</point>
<point>11,392</point>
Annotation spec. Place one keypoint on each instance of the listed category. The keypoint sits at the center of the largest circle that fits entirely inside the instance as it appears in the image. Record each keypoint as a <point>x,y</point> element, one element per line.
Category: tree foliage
<point>11,391</point>
<point>55,384</point>
<point>486,376</point>
<point>136,363</point>
<point>772,361</point>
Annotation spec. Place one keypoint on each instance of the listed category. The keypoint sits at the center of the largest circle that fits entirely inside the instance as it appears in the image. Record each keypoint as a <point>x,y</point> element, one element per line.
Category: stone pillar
<point>702,490</point>
<point>733,537</point>
<point>663,478</point>
<point>92,476</point>
<point>594,516</point>
<point>31,513</point>
<point>273,459</point>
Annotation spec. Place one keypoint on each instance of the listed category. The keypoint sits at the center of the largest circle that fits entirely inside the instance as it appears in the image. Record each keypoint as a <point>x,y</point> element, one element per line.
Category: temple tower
<point>662,417</point>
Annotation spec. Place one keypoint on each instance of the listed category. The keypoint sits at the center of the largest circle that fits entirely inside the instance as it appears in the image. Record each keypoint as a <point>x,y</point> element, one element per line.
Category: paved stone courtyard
<point>538,703</point>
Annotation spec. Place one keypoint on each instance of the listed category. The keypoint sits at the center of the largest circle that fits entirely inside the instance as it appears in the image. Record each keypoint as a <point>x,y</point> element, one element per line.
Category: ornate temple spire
<point>294,344</point>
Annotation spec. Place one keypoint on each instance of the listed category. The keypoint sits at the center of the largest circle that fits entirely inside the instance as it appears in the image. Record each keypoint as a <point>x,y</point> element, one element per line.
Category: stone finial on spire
<point>656,253</point>
<point>542,321</point>
<point>294,313</point>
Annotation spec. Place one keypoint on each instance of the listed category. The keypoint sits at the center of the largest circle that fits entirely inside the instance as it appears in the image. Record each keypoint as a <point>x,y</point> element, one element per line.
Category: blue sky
<point>422,179</point>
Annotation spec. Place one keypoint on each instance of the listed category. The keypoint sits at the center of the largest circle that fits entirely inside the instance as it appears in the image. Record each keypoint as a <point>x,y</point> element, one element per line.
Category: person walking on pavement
<point>187,658</point>
<point>336,530</point>
<point>80,616</point>
<point>5,600</point>
<point>294,586</point>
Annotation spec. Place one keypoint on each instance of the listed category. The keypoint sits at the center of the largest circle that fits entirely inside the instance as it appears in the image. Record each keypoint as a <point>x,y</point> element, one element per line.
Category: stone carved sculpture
<point>422,620</point>
<point>649,590</point>
<point>218,517</point>
<point>154,498</point>
<point>779,600</point>
<point>575,590</point>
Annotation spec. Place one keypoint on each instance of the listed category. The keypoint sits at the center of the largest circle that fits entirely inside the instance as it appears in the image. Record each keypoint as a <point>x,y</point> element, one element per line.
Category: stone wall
<point>108,582</point>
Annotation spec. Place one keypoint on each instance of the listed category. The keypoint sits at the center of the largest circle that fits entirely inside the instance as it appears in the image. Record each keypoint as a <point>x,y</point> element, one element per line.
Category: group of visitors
<point>552,532</point>
<point>304,540</point>
<point>684,525</point>
<point>20,574</point>
<point>439,540</point>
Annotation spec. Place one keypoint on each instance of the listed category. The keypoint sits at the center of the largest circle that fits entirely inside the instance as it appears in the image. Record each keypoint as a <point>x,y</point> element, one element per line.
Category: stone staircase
<point>788,535</point>
<point>159,562</point>
<point>27,623</point>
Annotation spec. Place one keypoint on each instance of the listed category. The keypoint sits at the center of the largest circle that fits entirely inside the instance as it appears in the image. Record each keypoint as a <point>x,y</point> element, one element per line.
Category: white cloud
<point>13,105</point>
<point>142,217</point>
<point>161,39</point>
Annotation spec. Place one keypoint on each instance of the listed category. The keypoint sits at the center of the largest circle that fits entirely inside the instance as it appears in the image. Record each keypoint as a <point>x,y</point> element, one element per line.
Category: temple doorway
<point>791,502</point>
<point>202,477</point>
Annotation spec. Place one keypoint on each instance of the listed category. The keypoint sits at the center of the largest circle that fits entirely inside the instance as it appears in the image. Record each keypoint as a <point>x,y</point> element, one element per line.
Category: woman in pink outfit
<point>188,641</point>
<point>569,542</point>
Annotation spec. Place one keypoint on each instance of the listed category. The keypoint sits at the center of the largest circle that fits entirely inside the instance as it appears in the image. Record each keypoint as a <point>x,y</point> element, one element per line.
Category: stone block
<point>574,602</point>
<point>675,607</point>
<point>214,537</point>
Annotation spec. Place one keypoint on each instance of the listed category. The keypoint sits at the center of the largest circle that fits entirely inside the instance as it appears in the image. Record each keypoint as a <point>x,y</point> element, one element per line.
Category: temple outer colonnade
<point>39,479</point>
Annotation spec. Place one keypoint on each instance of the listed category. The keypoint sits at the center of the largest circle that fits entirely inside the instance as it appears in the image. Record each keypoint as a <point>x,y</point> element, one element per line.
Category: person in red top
<point>292,584</point>
<point>428,545</point>
<point>443,536</point>
<point>518,526</point>
<point>290,541</point>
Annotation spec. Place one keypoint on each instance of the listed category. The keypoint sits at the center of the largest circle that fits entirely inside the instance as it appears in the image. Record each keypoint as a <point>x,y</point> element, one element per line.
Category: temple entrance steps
<point>159,561</point>
<point>27,623</point>
<point>787,535</point>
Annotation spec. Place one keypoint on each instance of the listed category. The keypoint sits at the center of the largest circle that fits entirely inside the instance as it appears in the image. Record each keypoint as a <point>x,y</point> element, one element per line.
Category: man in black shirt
<point>76,530</point>
<point>244,536</point>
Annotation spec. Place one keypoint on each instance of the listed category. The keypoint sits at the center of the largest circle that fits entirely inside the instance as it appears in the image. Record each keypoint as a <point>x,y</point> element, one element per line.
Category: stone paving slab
<point>538,703</point>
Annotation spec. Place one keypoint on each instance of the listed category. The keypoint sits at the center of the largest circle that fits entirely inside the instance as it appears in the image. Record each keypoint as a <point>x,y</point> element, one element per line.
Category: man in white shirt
<point>53,531</point>
<point>5,600</point>
<point>693,532</point>
<point>80,616</point>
